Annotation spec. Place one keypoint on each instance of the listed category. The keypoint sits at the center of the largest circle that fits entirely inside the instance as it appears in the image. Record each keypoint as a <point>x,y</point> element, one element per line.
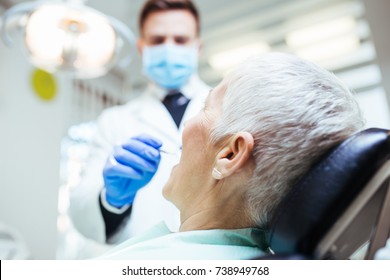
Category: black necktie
<point>176,104</point>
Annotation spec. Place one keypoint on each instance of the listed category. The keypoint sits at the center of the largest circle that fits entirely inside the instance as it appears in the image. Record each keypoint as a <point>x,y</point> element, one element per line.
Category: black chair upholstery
<point>317,201</point>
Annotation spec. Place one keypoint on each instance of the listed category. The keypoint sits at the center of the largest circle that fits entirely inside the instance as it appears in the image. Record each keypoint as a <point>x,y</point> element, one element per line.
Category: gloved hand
<point>130,167</point>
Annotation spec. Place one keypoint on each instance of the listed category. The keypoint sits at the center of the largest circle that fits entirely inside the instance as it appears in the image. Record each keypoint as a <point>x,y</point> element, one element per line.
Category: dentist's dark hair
<point>152,6</point>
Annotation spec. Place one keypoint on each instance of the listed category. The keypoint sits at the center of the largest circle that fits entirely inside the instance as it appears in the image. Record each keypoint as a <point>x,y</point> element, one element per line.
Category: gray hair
<point>295,111</point>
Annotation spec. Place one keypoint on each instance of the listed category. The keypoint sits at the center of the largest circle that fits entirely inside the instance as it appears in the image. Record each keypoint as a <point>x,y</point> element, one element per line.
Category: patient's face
<point>190,178</point>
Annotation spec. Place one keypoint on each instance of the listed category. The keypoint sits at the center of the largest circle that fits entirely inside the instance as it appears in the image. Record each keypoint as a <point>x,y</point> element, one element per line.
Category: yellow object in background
<point>44,84</point>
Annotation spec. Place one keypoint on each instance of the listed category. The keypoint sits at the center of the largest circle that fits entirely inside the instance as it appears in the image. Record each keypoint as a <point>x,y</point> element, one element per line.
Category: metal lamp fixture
<point>68,36</point>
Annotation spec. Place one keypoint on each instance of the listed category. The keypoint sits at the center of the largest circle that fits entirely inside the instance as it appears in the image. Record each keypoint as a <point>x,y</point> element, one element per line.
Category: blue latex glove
<point>130,167</point>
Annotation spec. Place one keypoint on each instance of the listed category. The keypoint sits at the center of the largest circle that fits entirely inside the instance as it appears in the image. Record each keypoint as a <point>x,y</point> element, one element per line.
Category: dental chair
<point>341,207</point>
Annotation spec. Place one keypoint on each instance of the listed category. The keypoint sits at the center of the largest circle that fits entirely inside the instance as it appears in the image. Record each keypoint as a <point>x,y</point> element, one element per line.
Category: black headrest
<point>322,195</point>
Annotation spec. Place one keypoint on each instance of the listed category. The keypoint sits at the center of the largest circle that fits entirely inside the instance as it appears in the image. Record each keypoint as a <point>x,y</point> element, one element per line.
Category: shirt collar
<point>188,90</point>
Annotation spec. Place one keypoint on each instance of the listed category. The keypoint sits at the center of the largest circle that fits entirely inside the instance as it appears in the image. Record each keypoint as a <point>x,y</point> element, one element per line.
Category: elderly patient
<point>260,130</point>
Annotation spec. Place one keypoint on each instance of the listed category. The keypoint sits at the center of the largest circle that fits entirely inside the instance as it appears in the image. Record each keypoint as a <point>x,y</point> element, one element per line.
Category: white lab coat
<point>144,114</point>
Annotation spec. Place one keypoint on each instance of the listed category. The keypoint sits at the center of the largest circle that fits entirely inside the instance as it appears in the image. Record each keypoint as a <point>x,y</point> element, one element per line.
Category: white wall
<point>30,136</point>
<point>377,14</point>
<point>374,107</point>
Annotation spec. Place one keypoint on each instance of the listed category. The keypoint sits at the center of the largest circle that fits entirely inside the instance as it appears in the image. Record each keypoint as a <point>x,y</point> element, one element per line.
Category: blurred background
<point>47,120</point>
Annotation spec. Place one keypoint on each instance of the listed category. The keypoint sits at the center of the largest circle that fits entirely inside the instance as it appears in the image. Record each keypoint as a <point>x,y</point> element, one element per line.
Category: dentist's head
<point>169,41</point>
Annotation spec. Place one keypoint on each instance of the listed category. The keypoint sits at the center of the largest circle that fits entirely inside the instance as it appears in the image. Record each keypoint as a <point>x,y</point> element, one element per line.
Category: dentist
<point>120,194</point>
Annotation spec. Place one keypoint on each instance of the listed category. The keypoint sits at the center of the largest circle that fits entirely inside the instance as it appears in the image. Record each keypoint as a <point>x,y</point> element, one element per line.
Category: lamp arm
<point>21,8</point>
<point>127,35</point>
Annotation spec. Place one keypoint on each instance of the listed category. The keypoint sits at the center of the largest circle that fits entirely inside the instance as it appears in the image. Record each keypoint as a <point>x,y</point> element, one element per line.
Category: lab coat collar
<point>188,90</point>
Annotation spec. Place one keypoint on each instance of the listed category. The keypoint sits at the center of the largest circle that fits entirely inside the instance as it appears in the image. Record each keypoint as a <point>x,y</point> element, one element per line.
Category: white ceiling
<point>228,24</point>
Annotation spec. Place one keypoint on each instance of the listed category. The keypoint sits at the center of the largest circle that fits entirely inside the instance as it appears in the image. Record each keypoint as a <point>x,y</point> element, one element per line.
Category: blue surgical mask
<point>170,66</point>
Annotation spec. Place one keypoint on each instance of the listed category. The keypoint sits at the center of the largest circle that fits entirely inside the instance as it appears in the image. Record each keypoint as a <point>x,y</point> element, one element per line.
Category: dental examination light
<point>68,36</point>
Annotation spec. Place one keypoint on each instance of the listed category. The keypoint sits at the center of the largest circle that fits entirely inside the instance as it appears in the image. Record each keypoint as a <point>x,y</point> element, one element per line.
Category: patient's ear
<point>234,155</point>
